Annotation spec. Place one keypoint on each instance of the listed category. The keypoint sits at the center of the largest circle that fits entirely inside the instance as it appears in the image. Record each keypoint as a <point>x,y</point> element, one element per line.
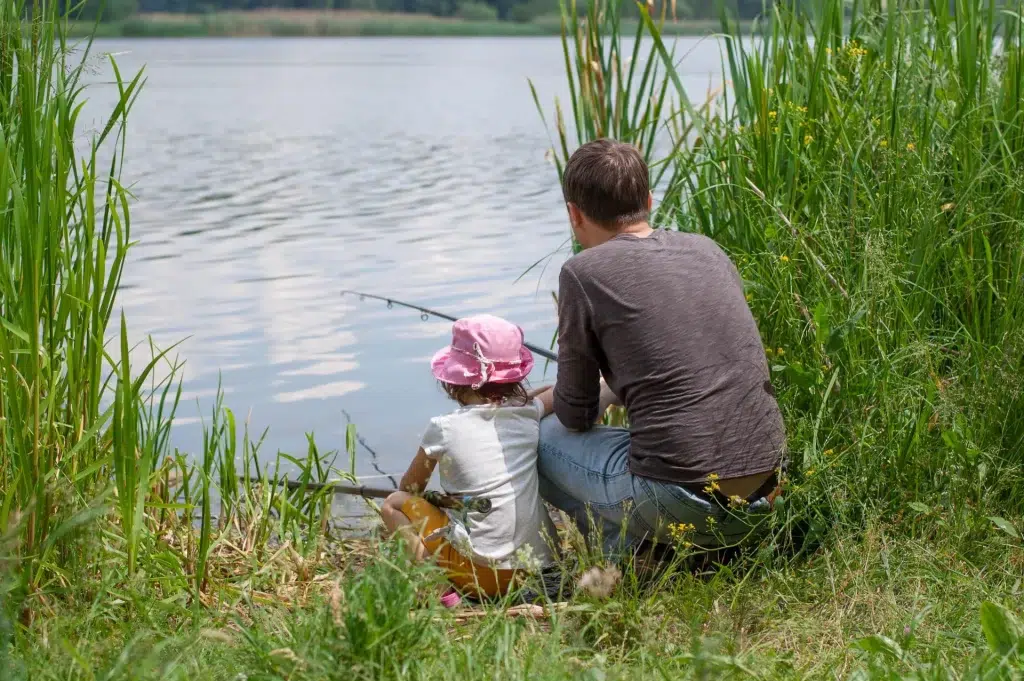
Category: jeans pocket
<point>671,505</point>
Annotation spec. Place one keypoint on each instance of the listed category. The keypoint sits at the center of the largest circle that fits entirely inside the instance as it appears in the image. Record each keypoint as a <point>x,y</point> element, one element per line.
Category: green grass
<point>881,603</point>
<point>286,23</point>
<point>868,186</point>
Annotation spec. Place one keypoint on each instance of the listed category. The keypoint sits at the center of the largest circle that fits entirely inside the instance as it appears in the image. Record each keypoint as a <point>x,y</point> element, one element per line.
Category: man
<point>662,317</point>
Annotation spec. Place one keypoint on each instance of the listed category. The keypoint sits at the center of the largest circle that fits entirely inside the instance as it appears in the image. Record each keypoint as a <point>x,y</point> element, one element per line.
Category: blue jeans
<point>587,476</point>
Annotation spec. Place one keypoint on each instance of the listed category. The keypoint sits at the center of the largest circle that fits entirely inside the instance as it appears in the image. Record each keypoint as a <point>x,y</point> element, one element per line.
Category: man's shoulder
<point>700,241</point>
<point>690,240</point>
<point>595,261</point>
<point>584,264</point>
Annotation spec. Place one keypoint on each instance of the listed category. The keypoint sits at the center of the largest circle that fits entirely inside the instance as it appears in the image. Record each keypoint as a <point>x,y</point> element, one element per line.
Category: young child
<point>486,448</point>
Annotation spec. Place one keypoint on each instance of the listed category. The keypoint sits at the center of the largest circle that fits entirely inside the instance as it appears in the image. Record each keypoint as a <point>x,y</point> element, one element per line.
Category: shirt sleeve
<point>578,385</point>
<point>538,406</point>
<point>433,443</point>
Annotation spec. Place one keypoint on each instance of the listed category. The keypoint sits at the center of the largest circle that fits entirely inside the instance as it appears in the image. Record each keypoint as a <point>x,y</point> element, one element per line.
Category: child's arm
<point>546,395</point>
<point>418,474</point>
<point>537,392</point>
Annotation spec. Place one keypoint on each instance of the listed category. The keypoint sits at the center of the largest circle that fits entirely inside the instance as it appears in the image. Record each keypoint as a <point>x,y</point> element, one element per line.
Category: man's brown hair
<point>609,182</point>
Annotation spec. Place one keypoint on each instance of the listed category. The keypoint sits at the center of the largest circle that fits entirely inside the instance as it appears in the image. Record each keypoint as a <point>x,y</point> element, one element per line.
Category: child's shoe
<point>451,598</point>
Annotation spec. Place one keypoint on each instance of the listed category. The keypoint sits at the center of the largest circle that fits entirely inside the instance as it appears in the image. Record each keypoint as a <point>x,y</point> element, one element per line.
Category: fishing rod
<point>439,499</point>
<point>426,312</point>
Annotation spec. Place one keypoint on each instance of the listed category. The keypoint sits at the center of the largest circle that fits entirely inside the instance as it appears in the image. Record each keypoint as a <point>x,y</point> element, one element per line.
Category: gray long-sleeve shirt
<point>665,321</point>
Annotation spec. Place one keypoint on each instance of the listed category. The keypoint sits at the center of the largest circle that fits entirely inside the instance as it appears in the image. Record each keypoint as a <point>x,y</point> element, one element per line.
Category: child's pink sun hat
<point>484,349</point>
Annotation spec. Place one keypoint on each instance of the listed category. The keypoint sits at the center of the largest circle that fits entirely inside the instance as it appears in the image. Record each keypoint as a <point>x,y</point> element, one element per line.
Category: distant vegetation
<point>358,17</point>
<point>474,19</point>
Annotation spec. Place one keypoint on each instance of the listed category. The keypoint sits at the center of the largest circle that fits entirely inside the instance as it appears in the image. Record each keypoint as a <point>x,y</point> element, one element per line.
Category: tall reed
<point>616,89</point>
<point>84,433</point>
<point>65,234</point>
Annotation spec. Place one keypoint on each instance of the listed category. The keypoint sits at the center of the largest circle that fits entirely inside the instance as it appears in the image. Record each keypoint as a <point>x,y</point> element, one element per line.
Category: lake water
<point>271,174</point>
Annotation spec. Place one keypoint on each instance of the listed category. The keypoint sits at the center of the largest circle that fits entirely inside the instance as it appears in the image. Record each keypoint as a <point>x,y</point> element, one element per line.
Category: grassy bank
<point>884,605</point>
<point>315,23</point>
<point>868,187</point>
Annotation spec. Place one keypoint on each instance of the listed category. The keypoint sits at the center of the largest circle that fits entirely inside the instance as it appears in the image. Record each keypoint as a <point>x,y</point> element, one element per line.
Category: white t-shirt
<point>491,451</point>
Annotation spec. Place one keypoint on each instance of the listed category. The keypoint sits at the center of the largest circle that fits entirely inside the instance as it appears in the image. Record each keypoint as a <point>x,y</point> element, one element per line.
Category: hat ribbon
<point>486,364</point>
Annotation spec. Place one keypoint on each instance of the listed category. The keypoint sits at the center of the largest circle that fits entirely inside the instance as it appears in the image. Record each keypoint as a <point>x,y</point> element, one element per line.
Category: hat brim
<point>457,368</point>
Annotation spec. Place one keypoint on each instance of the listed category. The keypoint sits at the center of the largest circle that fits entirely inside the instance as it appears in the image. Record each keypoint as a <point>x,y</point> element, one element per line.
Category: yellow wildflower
<point>769,351</point>
<point>803,109</point>
<point>679,531</point>
<point>911,146</point>
<point>713,476</point>
<point>736,502</point>
<point>775,129</point>
<point>828,50</point>
<point>877,121</point>
<point>811,472</point>
<point>750,297</point>
<point>808,139</point>
<point>780,352</point>
<point>772,115</point>
<point>829,452</point>
<point>784,258</point>
<point>884,143</point>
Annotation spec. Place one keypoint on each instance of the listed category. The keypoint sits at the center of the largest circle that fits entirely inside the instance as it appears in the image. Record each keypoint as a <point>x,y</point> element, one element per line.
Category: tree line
<point>514,10</point>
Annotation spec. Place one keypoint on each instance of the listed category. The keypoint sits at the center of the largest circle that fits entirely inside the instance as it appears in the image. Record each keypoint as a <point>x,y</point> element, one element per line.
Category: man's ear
<point>650,201</point>
<point>575,214</point>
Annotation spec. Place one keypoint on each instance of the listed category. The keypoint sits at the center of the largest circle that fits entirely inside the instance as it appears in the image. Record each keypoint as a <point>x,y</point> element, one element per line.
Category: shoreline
<point>345,24</point>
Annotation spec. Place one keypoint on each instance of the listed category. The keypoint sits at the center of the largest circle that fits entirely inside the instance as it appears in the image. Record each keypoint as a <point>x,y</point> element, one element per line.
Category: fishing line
<point>426,313</point>
<point>373,454</point>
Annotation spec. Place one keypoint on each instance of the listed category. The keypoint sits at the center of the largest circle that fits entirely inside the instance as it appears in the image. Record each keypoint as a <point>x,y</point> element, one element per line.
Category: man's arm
<point>576,398</point>
<point>547,399</point>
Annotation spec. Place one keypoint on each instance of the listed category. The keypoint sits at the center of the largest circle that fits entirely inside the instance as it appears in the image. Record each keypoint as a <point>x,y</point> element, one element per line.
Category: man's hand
<point>608,398</point>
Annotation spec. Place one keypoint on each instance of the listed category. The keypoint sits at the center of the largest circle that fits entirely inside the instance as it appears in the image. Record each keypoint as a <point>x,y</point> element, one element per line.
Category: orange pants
<point>467,576</point>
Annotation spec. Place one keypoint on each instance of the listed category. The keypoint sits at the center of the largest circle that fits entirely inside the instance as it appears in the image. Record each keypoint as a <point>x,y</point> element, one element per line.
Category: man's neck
<point>640,229</point>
